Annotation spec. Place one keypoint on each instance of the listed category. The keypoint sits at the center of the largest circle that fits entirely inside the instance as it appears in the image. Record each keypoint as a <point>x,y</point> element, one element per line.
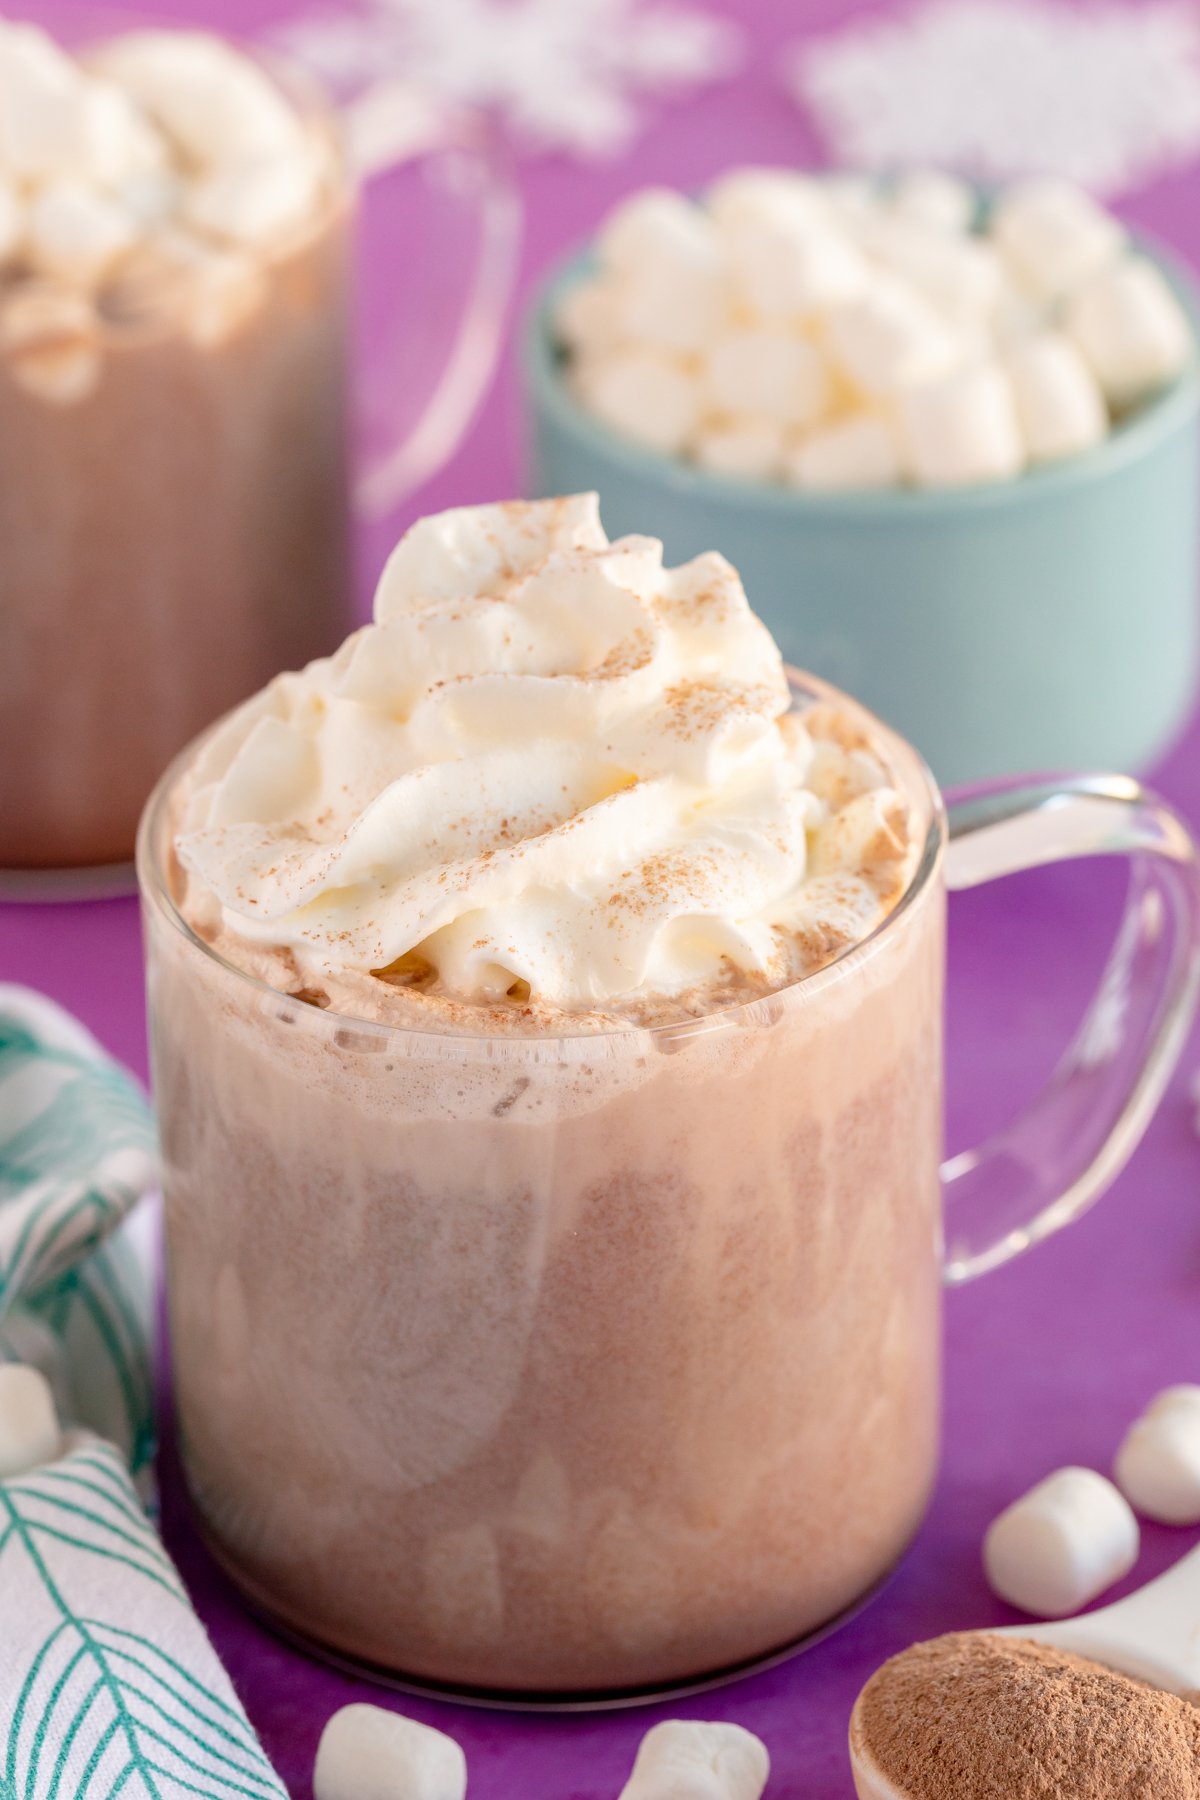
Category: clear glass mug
<point>559,1371</point>
<point>175,476</point>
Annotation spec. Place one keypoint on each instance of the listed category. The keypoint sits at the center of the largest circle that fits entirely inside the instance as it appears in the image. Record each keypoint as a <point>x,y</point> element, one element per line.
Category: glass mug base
<point>506,1700</point>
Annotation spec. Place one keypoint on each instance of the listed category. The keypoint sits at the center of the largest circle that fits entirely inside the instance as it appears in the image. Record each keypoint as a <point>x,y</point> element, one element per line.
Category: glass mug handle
<point>471,217</point>
<point>1044,1169</point>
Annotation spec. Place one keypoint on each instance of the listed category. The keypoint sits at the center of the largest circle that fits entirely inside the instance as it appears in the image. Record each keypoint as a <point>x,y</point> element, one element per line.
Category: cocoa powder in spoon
<point>974,1716</point>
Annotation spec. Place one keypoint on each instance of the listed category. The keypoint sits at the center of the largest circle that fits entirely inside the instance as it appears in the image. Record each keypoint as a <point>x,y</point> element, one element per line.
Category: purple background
<point>1047,1361</point>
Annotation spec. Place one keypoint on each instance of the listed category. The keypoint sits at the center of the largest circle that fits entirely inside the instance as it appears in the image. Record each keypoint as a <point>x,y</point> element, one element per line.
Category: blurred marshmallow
<point>43,106</point>
<point>253,202</point>
<point>29,1428</point>
<point>784,272</point>
<point>676,295</point>
<point>684,1759</point>
<point>1059,403</point>
<point>1131,329</point>
<point>775,374</point>
<point>961,276</point>
<point>644,396</point>
<point>962,429</point>
<point>366,1753</point>
<point>49,341</point>
<point>12,219</point>
<point>586,317</point>
<point>121,142</point>
<point>1158,1465</point>
<point>1054,236</point>
<point>212,100</point>
<point>1061,1544</point>
<point>890,339</point>
<point>634,229</point>
<point>748,449</point>
<point>854,453</point>
<point>768,197</point>
<point>930,197</point>
<point>77,232</point>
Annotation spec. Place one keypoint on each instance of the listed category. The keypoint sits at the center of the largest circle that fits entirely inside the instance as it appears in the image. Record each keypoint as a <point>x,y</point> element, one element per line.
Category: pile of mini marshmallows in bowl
<point>164,150</point>
<point>835,333</point>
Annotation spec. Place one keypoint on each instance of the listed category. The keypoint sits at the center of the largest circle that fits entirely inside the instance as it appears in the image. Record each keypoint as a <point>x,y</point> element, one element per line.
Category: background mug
<point>174,484</point>
<point>1046,622</point>
<point>565,1369</point>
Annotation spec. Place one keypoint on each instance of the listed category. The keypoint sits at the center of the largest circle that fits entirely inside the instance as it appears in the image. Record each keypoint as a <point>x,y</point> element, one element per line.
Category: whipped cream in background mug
<point>555,1301</point>
<point>176,225</point>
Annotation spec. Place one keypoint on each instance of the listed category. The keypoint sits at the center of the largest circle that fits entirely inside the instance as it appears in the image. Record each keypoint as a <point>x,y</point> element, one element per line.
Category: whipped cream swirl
<point>552,772</point>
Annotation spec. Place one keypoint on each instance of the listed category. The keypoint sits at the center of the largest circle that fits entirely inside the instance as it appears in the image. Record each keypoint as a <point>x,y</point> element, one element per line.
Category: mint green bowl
<point>1048,622</point>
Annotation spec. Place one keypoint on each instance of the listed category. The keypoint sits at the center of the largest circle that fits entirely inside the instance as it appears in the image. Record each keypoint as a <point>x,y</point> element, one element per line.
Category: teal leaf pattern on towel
<point>77,1154</point>
<point>125,1697</point>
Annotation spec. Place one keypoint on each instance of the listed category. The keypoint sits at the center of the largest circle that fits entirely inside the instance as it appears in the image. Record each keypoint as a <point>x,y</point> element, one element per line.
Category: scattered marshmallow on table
<point>30,1434</point>
<point>1059,403</point>
<point>366,1753</point>
<point>684,1759</point>
<point>1158,1464</point>
<point>962,429</point>
<point>1061,1544</point>
<point>1131,329</point>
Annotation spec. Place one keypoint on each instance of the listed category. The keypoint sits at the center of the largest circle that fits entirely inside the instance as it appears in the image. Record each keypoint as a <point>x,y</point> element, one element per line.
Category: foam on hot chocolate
<point>553,777</point>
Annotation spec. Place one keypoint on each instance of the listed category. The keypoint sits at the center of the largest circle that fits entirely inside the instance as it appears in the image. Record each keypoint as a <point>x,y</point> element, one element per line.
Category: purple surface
<point>1047,1361</point>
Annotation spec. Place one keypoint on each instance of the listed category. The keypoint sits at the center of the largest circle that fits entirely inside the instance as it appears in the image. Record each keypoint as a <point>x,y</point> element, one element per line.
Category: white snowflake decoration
<point>564,75</point>
<point>1107,95</point>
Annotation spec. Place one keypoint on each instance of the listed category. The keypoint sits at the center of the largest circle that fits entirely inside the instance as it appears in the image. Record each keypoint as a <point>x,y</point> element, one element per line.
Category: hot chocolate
<point>551,1134</point>
<point>173,259</point>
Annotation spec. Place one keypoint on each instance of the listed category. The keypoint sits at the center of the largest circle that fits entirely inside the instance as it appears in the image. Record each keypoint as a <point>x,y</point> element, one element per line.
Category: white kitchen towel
<point>109,1686</point>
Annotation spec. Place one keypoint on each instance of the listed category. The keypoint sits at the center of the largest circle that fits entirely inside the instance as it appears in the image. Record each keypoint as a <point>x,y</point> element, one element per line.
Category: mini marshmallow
<point>781,272</point>
<point>215,103</point>
<point>49,342</point>
<point>586,317</point>
<point>1058,399</point>
<point>253,202</point>
<point>77,232</point>
<point>747,449</point>
<point>677,297</point>
<point>1054,236</point>
<point>29,1428</point>
<point>635,229</point>
<point>366,1753</point>
<point>962,428</point>
<point>644,396</point>
<point>1131,329</point>
<point>890,339</point>
<point>1158,1465</point>
<point>1061,1544</point>
<point>773,374</point>
<point>753,196</point>
<point>12,219</point>
<point>961,276</point>
<point>684,1759</point>
<point>43,106</point>
<point>853,453</point>
<point>930,197</point>
<point>121,142</point>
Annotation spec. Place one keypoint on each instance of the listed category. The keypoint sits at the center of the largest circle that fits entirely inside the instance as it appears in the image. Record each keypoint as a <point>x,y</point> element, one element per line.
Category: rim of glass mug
<point>917,778</point>
<point>544,364</point>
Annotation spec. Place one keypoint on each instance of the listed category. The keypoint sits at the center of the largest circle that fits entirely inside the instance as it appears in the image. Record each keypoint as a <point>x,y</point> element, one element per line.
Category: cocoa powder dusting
<point>973,1716</point>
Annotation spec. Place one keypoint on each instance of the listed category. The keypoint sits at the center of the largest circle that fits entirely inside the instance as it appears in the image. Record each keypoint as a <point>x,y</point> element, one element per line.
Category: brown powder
<point>974,1716</point>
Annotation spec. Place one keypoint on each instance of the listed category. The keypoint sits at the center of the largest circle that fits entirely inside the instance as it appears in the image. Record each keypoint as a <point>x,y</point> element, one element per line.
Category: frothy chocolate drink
<point>173,251</point>
<point>551,1135</point>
